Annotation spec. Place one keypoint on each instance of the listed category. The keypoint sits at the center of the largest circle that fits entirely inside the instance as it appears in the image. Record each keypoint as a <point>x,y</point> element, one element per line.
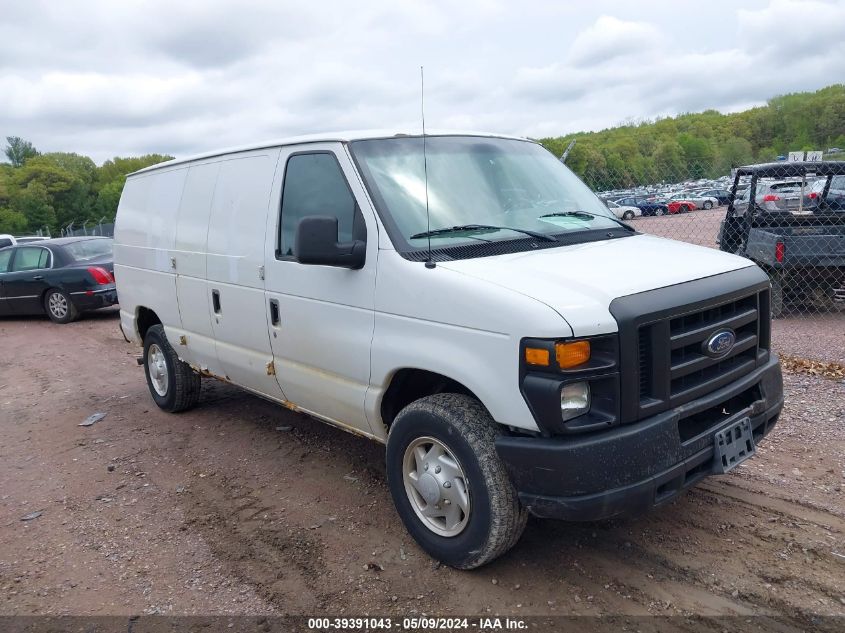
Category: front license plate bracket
<point>733,445</point>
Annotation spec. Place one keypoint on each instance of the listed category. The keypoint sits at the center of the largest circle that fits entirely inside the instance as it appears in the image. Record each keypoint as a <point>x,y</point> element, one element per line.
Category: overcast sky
<point>107,78</point>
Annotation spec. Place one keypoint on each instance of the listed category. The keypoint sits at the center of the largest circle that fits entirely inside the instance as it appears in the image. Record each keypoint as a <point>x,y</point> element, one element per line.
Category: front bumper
<point>633,467</point>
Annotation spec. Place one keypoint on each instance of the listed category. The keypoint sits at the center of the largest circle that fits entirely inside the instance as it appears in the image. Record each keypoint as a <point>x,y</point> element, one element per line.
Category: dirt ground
<point>242,507</point>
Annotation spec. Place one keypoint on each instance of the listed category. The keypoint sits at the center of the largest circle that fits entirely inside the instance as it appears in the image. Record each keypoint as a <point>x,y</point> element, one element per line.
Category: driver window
<point>314,185</point>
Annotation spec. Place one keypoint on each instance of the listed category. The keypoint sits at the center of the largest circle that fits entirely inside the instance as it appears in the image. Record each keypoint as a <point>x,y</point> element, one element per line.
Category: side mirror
<point>316,243</point>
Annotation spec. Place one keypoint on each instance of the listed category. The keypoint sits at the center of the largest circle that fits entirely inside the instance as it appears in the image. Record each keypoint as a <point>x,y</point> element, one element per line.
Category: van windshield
<point>497,189</point>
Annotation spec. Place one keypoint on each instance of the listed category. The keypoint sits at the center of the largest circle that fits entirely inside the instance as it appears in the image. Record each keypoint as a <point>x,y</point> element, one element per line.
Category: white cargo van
<point>457,297</point>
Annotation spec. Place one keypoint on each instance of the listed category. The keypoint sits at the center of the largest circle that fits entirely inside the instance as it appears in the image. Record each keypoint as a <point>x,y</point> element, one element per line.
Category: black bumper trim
<point>99,299</point>
<point>633,467</point>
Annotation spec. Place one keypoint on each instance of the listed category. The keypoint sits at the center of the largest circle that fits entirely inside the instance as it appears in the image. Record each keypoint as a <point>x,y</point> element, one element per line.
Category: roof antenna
<point>429,262</point>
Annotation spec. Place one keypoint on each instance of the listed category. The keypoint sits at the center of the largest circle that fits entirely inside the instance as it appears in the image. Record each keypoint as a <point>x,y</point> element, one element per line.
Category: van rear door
<point>191,259</point>
<point>235,270</point>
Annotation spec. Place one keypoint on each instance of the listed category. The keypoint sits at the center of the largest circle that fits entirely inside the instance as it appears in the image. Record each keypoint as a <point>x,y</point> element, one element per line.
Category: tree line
<point>46,192</point>
<point>49,191</point>
<point>706,144</point>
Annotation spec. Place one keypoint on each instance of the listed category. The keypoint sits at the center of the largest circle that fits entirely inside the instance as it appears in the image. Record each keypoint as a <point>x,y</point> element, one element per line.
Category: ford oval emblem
<point>719,343</point>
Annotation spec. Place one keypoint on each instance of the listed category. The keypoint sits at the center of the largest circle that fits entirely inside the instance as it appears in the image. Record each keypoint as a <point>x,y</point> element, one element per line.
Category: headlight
<point>574,400</point>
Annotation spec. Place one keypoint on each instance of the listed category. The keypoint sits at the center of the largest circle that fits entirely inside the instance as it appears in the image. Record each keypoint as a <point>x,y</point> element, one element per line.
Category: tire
<point>59,306</point>
<point>685,208</point>
<point>494,519</point>
<point>707,204</point>
<point>173,384</point>
<point>659,212</point>
<point>628,215</point>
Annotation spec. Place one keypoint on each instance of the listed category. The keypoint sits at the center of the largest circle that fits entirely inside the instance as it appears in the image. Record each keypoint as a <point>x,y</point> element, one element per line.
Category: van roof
<point>327,137</point>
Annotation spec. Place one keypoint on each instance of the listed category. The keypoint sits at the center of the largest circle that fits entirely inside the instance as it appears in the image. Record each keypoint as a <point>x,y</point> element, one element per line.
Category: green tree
<point>117,168</point>
<point>34,202</point>
<point>18,151</point>
<point>734,153</point>
<point>710,142</point>
<point>697,154</point>
<point>669,161</point>
<point>12,222</point>
<point>107,200</point>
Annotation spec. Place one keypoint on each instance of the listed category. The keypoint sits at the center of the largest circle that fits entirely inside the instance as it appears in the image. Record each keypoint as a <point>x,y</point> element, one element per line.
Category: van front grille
<point>672,362</point>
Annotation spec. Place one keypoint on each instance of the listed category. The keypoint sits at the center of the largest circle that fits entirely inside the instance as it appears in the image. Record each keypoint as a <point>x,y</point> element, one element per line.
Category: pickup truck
<point>791,222</point>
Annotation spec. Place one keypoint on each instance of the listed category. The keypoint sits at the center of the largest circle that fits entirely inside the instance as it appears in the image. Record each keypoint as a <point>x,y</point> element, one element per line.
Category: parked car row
<point>713,188</point>
<point>681,202</point>
<point>623,212</point>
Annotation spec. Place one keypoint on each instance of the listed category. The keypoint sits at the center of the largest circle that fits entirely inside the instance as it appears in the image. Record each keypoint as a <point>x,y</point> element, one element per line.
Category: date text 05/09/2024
<point>422,623</point>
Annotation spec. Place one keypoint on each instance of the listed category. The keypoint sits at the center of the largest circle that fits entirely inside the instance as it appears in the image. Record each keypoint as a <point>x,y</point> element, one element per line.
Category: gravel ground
<point>216,511</point>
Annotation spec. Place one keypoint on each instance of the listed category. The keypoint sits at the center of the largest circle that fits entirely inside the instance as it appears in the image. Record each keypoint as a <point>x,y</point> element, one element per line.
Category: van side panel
<point>236,233</point>
<point>191,285</point>
<point>455,325</point>
<point>144,243</point>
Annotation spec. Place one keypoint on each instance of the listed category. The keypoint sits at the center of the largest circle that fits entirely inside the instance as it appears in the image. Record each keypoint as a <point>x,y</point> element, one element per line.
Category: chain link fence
<point>101,229</point>
<point>788,217</point>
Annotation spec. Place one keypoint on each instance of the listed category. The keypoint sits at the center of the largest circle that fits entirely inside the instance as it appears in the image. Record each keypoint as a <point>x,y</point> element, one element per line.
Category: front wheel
<point>449,486</point>
<point>708,204</point>
<point>628,215</point>
<point>59,306</point>
<point>173,384</point>
<point>659,212</point>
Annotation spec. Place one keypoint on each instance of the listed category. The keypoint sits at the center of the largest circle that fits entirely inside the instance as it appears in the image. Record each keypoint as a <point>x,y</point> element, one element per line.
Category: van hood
<point>580,281</point>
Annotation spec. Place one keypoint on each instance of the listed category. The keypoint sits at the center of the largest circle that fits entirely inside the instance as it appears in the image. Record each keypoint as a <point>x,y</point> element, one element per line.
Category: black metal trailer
<point>803,248</point>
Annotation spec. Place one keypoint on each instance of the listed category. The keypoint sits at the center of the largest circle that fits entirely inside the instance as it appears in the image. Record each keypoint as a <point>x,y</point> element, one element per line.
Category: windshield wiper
<point>584,216</point>
<point>569,214</point>
<point>482,227</point>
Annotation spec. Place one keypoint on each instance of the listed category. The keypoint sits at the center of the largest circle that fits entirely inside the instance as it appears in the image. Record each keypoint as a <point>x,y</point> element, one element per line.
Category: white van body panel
<point>235,263</point>
<point>322,343</point>
<point>191,259</point>
<point>440,320</point>
<point>580,281</point>
<point>144,242</point>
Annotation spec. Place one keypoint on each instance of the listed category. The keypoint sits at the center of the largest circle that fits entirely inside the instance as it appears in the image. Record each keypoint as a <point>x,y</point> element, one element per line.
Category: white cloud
<point>107,78</point>
<point>610,38</point>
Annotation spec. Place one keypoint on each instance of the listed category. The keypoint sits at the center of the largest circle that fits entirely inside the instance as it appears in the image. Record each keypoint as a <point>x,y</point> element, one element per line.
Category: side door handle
<point>215,301</point>
<point>38,278</point>
<point>274,312</point>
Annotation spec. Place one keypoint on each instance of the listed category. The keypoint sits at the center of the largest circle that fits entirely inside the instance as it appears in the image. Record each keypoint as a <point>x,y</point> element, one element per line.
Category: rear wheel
<point>707,204</point>
<point>685,208</point>
<point>59,306</point>
<point>659,212</point>
<point>449,486</point>
<point>628,215</point>
<point>173,384</point>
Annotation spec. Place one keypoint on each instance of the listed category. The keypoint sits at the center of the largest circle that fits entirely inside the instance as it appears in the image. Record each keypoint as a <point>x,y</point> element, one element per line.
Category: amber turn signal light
<point>572,354</point>
<point>537,356</point>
